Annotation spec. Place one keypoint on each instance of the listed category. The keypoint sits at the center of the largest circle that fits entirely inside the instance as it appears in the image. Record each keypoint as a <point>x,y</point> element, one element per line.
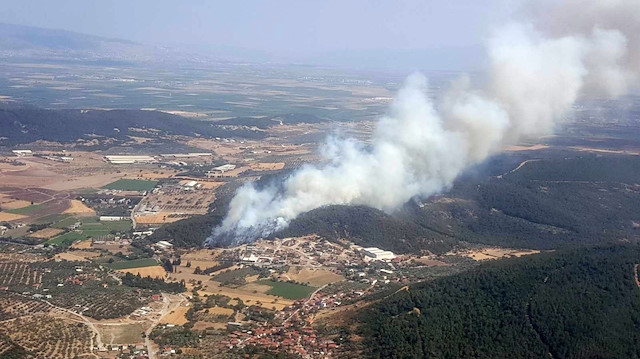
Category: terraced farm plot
<point>131,185</point>
<point>48,337</point>
<point>287,290</point>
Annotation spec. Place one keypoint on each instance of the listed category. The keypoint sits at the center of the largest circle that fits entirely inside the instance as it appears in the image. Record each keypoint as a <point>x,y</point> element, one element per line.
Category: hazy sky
<point>285,27</point>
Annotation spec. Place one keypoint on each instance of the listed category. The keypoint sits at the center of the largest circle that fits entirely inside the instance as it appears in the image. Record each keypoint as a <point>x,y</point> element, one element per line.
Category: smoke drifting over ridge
<point>537,71</point>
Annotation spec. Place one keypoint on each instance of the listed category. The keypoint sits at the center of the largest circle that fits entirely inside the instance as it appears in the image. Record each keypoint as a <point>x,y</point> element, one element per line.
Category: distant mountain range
<point>29,42</point>
<point>19,37</point>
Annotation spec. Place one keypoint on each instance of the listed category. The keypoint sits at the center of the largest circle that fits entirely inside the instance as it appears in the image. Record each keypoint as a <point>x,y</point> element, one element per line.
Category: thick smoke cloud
<point>538,70</point>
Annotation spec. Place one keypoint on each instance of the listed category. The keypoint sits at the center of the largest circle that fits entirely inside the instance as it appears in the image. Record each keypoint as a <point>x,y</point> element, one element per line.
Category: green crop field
<point>131,185</point>
<point>97,229</point>
<point>136,263</point>
<point>26,210</point>
<point>65,240</point>
<point>287,290</point>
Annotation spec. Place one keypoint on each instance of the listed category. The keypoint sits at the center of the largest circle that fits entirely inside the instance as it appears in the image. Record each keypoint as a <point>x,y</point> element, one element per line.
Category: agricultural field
<point>19,274</point>
<point>89,228</point>
<point>313,277</point>
<point>66,239</point>
<point>131,185</point>
<point>46,233</point>
<point>14,305</point>
<point>155,271</point>
<point>26,210</point>
<point>177,316</point>
<point>287,290</point>
<point>136,263</point>
<point>48,337</point>
<point>130,333</point>
<point>74,286</point>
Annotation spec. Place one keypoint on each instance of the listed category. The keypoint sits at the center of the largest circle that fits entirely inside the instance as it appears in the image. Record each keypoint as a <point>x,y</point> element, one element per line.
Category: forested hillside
<point>569,304</point>
<point>545,204</point>
<point>367,226</point>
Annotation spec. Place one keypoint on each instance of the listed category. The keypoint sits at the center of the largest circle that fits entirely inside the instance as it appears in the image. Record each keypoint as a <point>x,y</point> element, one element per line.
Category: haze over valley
<point>363,180</point>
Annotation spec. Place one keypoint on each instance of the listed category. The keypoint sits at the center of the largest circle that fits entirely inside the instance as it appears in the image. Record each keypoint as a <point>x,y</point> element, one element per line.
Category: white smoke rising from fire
<point>419,148</point>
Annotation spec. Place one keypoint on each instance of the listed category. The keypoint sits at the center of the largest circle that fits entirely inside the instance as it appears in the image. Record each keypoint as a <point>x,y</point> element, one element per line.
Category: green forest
<point>581,303</point>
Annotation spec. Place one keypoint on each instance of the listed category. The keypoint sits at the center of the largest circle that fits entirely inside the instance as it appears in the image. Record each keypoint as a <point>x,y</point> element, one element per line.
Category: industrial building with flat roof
<point>378,254</point>
<point>126,159</point>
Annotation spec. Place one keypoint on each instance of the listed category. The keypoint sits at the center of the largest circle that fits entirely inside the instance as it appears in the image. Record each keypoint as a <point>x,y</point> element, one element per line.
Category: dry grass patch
<point>82,244</point>
<point>176,316</point>
<point>249,298</point>
<point>160,218</point>
<point>220,311</point>
<point>79,208</point>
<point>152,271</point>
<point>14,204</point>
<point>121,334</point>
<point>8,217</point>
<point>315,277</point>
<point>46,233</point>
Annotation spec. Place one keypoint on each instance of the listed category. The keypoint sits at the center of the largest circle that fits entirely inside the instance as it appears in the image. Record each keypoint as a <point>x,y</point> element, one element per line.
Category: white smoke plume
<point>419,148</point>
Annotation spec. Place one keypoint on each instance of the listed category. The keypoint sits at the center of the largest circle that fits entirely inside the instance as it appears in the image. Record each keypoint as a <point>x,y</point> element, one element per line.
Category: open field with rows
<point>19,274</point>
<point>49,338</point>
<point>13,305</point>
<point>74,286</point>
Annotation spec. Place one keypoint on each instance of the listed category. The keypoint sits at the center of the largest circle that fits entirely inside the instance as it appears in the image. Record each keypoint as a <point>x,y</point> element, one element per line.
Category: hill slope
<point>578,304</point>
<point>367,226</point>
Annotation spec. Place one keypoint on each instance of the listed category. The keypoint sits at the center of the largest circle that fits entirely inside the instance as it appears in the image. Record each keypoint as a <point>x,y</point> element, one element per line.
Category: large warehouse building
<point>378,254</point>
<point>126,159</point>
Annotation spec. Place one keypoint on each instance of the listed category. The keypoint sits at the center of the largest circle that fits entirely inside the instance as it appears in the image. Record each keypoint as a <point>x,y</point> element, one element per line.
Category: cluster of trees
<point>187,233</point>
<point>154,284</point>
<point>220,266</point>
<point>174,337</point>
<point>576,303</point>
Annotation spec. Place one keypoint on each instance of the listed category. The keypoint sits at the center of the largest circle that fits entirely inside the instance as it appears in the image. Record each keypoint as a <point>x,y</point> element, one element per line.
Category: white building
<point>378,254</point>
<point>187,155</point>
<point>113,218</point>
<point>224,168</point>
<point>191,184</point>
<point>164,245</point>
<point>21,153</point>
<point>126,159</point>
